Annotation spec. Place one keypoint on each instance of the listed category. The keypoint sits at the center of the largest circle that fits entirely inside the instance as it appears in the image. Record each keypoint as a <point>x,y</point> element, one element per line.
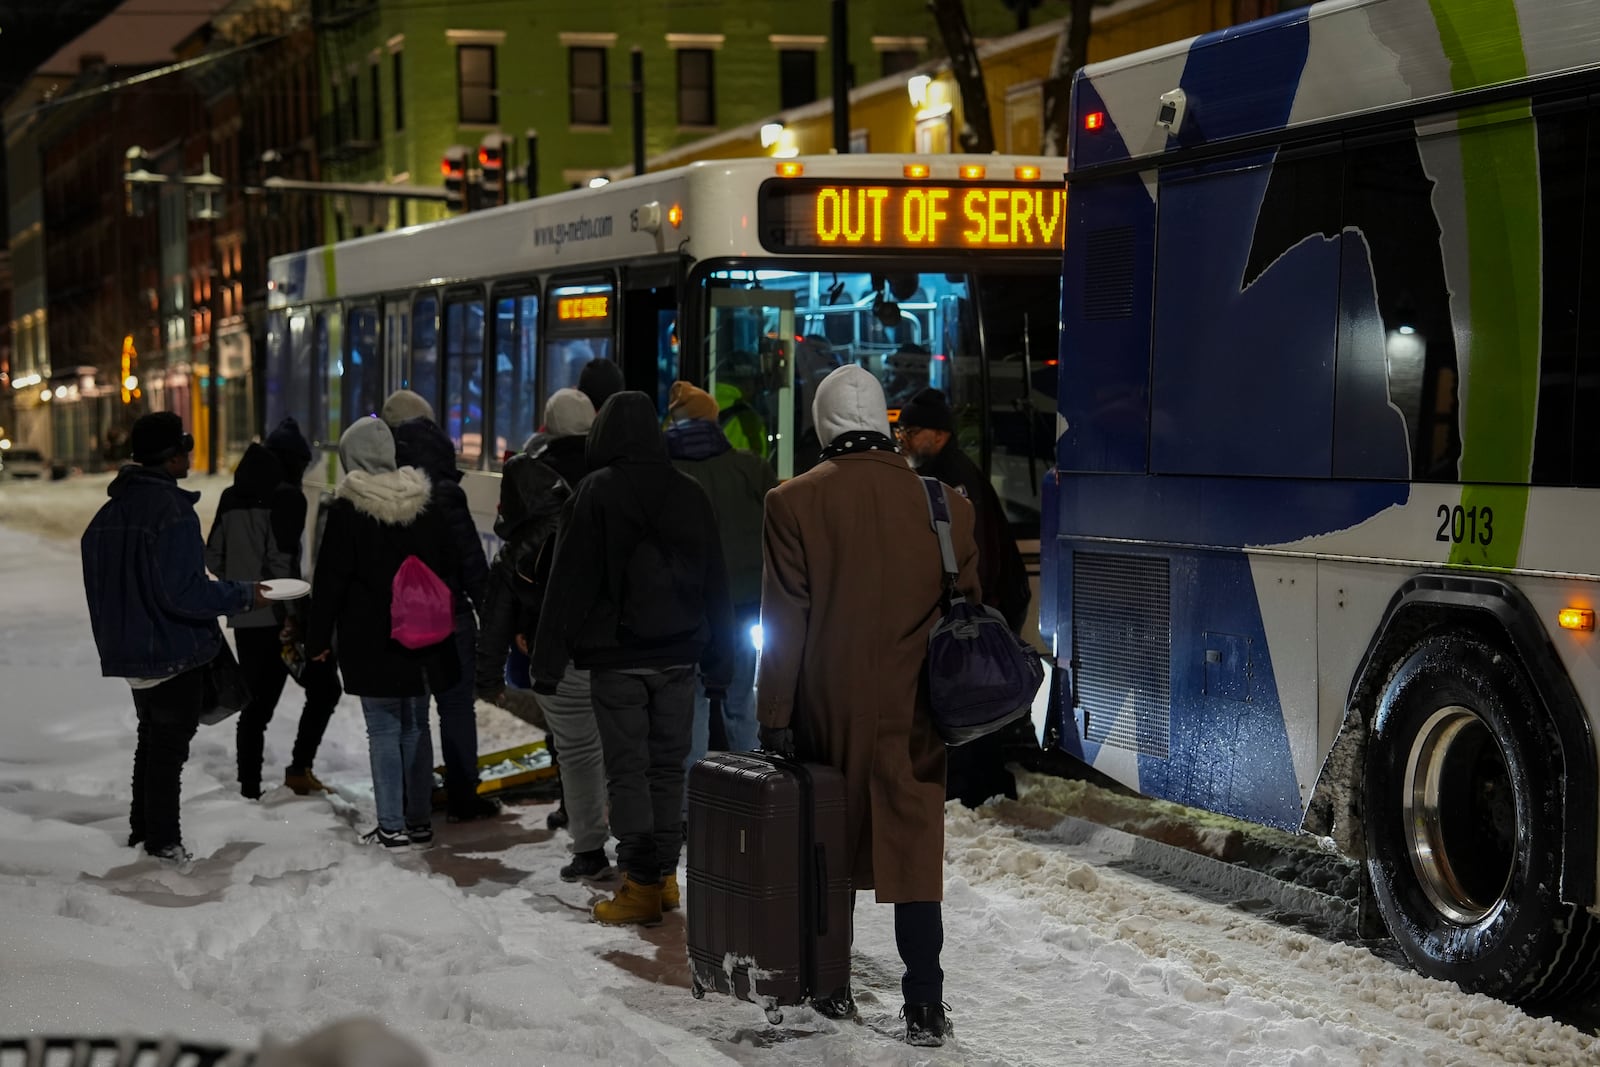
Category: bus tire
<point>1463,810</point>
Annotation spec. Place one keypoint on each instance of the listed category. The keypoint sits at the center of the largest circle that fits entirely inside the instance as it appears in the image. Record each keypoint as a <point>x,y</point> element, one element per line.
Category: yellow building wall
<point>1014,70</point>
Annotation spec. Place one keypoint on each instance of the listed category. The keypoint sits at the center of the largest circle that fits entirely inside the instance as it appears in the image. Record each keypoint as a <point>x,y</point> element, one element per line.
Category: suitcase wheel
<point>774,1016</point>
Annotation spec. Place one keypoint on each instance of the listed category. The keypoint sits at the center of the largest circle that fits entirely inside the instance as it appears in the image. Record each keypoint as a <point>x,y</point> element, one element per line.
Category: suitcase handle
<point>820,867</point>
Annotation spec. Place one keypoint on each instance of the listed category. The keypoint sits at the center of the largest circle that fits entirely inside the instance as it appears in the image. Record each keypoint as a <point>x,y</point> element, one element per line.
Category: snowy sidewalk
<point>477,951</point>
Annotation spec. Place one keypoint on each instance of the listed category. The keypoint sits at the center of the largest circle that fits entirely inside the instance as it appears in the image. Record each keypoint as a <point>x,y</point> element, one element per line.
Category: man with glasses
<point>154,614</point>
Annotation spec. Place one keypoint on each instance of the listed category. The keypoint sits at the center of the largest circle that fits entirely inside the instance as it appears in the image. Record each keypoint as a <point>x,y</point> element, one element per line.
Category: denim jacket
<point>153,608</point>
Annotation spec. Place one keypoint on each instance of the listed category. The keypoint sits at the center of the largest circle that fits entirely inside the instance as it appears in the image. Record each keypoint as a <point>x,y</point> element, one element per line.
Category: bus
<point>1317,547</point>
<point>752,278</point>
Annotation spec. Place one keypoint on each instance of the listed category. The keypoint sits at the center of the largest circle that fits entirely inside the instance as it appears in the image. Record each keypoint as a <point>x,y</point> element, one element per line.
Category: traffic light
<point>454,169</point>
<point>139,194</point>
<point>492,170</point>
<point>271,168</point>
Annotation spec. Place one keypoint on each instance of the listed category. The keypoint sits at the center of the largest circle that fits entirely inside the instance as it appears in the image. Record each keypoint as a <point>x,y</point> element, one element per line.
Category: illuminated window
<point>477,100</point>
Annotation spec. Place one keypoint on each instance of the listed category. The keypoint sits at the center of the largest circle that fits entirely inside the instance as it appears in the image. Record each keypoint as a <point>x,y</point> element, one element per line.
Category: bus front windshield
<point>987,340</point>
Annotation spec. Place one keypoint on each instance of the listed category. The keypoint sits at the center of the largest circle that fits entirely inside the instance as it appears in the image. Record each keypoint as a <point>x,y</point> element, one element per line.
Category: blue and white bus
<point>1320,548</point>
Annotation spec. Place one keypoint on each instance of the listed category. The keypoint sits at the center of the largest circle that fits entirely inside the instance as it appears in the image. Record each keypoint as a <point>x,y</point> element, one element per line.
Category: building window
<point>355,108</point>
<point>375,80</point>
<point>477,102</point>
<point>399,95</point>
<point>696,102</point>
<point>338,116</point>
<point>586,74</point>
<point>897,60</point>
<point>797,78</point>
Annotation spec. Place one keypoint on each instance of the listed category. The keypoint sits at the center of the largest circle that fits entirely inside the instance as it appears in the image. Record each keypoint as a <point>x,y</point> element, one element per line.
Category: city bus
<point>752,278</point>
<point>1317,548</point>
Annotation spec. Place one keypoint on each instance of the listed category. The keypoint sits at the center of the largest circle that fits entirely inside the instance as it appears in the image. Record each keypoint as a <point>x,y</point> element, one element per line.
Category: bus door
<point>750,364</point>
<point>514,411</point>
<point>649,354</point>
<point>581,327</point>
<point>396,321</point>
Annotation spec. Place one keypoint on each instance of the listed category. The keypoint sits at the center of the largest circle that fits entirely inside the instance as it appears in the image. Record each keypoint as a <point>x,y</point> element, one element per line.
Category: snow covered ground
<point>1055,952</point>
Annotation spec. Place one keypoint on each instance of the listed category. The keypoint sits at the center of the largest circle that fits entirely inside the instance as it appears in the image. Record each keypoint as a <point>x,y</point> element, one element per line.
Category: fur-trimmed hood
<point>395,497</point>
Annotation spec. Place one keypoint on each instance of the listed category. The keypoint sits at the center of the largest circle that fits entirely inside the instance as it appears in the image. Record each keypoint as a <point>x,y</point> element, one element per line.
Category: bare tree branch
<point>977,130</point>
<point>1072,51</point>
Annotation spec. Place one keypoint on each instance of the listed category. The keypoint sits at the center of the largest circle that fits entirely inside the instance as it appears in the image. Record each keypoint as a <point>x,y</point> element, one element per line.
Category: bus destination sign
<point>569,308</point>
<point>800,215</point>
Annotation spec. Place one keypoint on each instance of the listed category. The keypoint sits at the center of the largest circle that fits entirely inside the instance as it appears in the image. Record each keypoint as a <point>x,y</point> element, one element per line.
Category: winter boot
<point>420,835</point>
<point>670,900</point>
<point>926,1024</point>
<point>633,903</point>
<point>303,782</point>
<point>473,809</point>
<point>174,856</point>
<point>841,1004</point>
<point>587,865</point>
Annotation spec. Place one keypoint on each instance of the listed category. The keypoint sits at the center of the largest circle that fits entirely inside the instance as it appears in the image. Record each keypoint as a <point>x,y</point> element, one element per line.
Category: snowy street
<point>1055,951</point>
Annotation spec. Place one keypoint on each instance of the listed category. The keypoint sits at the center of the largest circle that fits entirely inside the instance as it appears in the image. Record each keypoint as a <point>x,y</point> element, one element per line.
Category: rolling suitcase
<point>769,916</point>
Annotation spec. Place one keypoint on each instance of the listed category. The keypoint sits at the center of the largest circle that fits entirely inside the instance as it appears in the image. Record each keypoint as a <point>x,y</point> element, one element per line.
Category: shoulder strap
<point>939,519</point>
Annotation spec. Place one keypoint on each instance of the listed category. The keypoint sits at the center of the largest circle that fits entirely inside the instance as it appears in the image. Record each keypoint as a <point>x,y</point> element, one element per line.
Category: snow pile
<point>475,949</point>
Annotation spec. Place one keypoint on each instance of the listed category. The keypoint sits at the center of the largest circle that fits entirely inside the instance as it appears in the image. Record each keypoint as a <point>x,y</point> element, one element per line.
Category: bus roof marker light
<point>1094,120</point>
<point>973,171</point>
<point>675,216</point>
<point>791,170</point>
<point>1576,619</point>
<point>1027,173</point>
<point>916,170</point>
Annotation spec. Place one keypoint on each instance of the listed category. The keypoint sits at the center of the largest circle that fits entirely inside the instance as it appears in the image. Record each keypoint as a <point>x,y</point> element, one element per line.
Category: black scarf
<point>858,441</point>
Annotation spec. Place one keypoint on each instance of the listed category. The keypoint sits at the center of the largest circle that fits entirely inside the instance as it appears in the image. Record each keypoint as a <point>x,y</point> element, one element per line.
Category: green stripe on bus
<point>330,272</point>
<point>1500,176</point>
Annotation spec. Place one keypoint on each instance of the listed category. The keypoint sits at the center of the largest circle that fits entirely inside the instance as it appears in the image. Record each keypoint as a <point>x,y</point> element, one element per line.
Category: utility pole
<point>841,77</point>
<point>637,59</point>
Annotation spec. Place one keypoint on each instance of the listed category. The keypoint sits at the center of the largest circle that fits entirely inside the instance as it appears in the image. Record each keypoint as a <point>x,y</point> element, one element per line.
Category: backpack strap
<point>939,519</point>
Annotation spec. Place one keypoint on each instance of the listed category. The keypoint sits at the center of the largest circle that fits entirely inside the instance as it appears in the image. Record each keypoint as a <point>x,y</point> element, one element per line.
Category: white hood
<point>847,400</point>
<point>395,497</point>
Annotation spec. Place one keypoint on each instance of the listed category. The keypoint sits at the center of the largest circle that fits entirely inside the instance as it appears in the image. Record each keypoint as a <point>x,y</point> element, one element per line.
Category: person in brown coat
<point>852,585</point>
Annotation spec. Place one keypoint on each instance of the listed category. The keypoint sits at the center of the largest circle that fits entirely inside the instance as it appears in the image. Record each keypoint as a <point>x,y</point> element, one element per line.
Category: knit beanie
<point>403,404</point>
<point>686,401</point>
<point>156,437</point>
<point>568,413</point>
<point>368,445</point>
<point>599,379</point>
<point>288,442</point>
<point>928,410</point>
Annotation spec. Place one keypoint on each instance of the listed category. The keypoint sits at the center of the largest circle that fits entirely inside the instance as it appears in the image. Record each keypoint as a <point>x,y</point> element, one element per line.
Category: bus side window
<point>463,378</point>
<point>363,371</point>
<point>327,349</point>
<point>424,377</point>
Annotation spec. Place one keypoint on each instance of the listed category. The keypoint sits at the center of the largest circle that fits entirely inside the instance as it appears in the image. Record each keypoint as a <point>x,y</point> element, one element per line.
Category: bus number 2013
<point>1458,525</point>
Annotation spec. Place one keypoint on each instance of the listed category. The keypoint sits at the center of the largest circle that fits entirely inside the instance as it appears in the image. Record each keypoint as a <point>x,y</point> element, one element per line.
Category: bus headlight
<point>755,637</point>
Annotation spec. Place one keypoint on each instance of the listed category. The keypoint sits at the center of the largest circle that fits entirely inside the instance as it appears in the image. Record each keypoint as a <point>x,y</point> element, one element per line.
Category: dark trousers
<point>169,714</point>
<point>261,660</point>
<point>458,723</point>
<point>644,724</point>
<point>919,935</point>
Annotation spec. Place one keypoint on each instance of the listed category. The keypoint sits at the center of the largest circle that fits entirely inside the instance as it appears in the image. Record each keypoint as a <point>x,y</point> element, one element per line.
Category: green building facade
<point>404,80</point>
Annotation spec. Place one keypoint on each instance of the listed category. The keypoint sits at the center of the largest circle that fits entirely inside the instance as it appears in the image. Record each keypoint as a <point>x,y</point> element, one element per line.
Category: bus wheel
<point>1463,811</point>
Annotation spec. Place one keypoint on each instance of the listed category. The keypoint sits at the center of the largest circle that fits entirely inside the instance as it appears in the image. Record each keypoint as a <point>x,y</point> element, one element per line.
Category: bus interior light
<point>1027,173</point>
<point>973,171</point>
<point>1577,619</point>
<point>916,170</point>
<point>790,169</point>
<point>1094,120</point>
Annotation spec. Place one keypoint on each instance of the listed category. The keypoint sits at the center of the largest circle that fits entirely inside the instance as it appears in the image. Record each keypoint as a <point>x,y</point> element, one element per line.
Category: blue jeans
<point>402,760</point>
<point>738,711</point>
<point>458,723</point>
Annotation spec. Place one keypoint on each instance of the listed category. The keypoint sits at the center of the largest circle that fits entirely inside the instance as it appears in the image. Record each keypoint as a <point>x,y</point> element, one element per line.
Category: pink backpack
<point>419,607</point>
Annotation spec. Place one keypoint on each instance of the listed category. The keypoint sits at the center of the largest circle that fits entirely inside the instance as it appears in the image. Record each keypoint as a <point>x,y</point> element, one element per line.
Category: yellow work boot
<point>670,900</point>
<point>633,903</point>
<point>303,782</point>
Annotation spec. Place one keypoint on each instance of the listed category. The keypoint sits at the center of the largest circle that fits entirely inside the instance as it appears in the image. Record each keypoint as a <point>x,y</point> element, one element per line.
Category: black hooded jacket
<point>637,579</point>
<point>257,529</point>
<point>420,443</point>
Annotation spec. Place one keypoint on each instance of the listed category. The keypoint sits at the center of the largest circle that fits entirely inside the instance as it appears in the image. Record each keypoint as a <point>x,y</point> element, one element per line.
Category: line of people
<point>634,565</point>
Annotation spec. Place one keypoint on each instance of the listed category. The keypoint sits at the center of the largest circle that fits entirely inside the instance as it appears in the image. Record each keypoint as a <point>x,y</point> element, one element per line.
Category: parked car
<point>23,463</point>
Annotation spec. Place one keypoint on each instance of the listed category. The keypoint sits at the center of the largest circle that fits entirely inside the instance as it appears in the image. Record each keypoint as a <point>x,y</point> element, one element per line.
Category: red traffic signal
<point>454,168</point>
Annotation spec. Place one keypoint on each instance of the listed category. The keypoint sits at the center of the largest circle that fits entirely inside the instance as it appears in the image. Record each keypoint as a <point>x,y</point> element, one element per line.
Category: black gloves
<point>778,741</point>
